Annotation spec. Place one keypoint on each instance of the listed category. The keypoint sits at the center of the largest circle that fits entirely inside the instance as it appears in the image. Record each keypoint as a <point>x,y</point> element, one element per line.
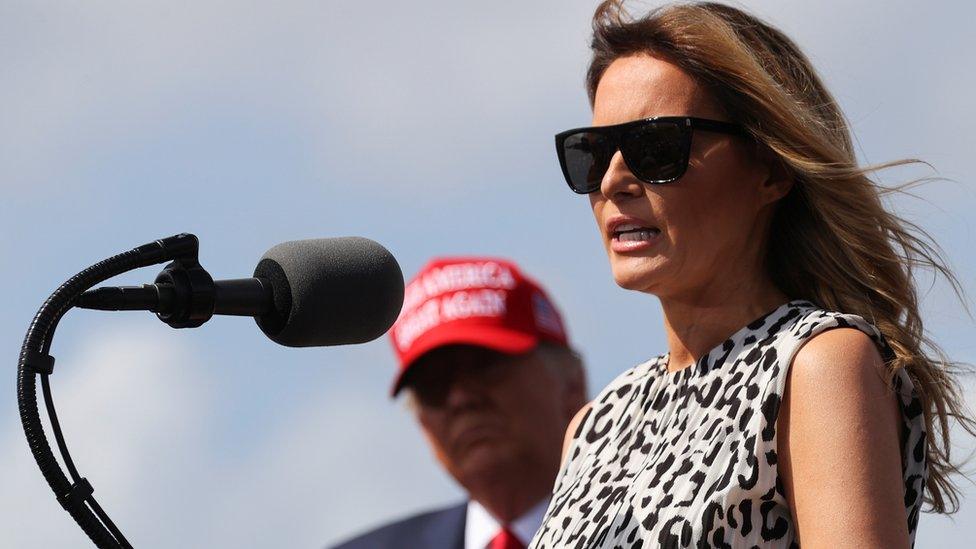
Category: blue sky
<point>426,126</point>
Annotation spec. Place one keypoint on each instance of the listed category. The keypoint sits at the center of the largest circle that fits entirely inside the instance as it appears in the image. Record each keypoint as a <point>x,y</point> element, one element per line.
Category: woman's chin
<point>633,277</point>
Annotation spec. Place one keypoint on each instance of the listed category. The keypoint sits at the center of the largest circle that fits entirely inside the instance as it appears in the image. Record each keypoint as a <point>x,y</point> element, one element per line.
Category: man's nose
<point>464,390</point>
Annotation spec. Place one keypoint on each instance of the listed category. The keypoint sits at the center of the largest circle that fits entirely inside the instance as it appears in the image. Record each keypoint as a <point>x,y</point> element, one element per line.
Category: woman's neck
<point>698,321</point>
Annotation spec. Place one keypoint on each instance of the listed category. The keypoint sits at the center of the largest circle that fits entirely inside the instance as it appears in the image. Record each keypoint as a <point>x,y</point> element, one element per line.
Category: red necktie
<point>505,539</point>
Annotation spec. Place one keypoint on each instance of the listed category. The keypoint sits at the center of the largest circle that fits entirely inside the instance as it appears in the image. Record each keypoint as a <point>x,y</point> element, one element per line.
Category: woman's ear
<point>779,178</point>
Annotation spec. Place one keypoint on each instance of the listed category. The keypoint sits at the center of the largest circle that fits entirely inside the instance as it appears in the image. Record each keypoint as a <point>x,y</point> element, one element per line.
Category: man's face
<point>491,417</point>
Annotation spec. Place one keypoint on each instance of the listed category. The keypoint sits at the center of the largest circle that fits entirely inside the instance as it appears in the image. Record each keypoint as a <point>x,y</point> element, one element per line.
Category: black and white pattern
<point>688,458</point>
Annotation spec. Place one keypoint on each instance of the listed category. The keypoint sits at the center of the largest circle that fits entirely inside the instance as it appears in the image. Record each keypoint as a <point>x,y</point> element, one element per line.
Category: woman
<point>799,401</point>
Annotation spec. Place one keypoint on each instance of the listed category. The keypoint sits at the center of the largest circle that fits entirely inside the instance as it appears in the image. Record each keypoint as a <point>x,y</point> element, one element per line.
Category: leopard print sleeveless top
<point>688,458</point>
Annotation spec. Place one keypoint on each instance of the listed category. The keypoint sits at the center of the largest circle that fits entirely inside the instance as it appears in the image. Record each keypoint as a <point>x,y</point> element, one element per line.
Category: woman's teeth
<point>635,236</point>
<point>634,233</point>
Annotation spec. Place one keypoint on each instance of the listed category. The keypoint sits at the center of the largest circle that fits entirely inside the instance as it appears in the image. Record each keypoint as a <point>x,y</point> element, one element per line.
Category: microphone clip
<point>186,290</point>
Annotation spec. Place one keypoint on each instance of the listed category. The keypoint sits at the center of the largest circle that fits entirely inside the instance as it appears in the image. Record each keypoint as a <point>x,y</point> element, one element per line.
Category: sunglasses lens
<point>656,152</point>
<point>586,158</point>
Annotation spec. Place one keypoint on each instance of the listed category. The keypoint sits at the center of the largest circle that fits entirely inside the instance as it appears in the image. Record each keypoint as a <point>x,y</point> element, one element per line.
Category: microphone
<point>304,293</point>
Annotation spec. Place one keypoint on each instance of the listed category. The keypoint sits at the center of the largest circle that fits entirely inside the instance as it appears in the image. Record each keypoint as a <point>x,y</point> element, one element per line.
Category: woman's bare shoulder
<point>839,442</point>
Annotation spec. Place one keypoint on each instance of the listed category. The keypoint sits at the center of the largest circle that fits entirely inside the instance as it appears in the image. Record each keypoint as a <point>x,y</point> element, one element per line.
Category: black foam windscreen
<point>330,291</point>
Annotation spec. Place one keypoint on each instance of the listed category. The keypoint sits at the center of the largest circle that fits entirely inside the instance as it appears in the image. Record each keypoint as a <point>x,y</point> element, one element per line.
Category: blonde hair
<point>831,240</point>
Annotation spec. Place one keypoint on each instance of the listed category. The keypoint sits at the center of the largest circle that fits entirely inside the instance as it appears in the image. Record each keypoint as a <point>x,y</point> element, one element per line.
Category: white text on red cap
<point>460,276</point>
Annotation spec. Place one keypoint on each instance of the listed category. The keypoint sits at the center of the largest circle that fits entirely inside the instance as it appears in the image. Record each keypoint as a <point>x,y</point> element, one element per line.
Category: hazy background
<point>426,126</point>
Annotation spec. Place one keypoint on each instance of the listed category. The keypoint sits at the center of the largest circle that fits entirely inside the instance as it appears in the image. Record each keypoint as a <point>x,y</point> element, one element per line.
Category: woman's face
<point>704,232</point>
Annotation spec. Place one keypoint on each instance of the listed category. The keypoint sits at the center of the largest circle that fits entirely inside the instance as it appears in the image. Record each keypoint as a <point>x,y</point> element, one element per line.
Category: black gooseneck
<point>76,494</point>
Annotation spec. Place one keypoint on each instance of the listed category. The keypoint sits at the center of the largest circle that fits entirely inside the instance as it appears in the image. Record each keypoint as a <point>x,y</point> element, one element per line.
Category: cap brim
<point>503,340</point>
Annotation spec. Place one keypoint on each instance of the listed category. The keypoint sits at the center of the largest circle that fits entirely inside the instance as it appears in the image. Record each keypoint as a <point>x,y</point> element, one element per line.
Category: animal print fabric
<point>688,458</point>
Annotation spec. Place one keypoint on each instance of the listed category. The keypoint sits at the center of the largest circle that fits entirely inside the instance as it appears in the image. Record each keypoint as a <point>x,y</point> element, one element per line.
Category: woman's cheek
<point>598,219</point>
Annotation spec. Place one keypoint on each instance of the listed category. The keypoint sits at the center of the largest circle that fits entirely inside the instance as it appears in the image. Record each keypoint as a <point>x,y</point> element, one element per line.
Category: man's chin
<point>487,460</point>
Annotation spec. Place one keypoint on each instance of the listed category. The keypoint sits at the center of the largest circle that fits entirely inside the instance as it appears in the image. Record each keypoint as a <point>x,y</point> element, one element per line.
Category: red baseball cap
<point>481,301</point>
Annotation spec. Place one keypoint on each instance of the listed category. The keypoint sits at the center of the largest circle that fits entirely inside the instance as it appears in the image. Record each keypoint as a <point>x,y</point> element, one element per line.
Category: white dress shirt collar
<point>480,527</point>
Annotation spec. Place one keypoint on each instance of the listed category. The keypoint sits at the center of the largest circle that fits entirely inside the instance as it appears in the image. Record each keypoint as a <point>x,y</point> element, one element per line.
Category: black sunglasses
<point>655,150</point>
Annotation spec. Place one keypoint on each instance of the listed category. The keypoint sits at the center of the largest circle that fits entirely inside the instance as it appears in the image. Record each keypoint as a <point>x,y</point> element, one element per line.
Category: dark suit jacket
<point>440,529</point>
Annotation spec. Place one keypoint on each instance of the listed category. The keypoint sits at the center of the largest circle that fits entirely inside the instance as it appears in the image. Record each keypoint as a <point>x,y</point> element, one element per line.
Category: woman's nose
<point>619,183</point>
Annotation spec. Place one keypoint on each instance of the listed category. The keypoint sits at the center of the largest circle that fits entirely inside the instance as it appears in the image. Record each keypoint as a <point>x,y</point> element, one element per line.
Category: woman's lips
<point>631,237</point>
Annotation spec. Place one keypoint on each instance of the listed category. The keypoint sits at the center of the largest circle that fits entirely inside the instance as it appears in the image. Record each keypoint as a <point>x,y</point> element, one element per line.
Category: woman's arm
<point>839,448</point>
<point>573,426</point>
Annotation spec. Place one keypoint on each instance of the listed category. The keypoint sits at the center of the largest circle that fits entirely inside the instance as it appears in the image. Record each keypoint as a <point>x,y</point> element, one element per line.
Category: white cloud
<point>138,408</point>
<point>341,464</point>
<point>132,414</point>
<point>101,74</point>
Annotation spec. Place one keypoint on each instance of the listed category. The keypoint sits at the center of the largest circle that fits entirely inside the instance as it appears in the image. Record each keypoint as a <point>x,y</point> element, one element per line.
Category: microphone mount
<point>184,294</point>
<point>190,291</point>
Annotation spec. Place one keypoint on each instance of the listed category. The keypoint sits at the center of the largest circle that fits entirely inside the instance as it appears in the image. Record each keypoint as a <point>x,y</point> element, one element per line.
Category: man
<point>489,374</point>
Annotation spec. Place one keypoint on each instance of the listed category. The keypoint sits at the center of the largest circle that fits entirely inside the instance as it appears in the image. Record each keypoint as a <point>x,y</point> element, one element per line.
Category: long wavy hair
<point>831,241</point>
